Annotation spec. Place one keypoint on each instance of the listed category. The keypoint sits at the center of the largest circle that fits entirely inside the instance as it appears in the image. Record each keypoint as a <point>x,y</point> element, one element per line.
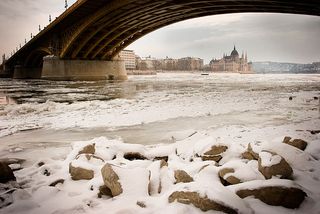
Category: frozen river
<point>47,123</point>
<point>155,109</point>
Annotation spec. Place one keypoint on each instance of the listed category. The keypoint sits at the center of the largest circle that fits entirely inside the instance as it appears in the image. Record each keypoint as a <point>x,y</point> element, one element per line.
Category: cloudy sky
<point>266,37</point>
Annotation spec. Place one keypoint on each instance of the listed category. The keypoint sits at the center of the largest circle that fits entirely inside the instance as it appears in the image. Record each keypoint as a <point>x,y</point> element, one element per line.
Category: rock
<point>40,164</point>
<point>89,149</point>
<point>111,180</point>
<point>270,164</point>
<point>182,177</point>
<point>46,172</point>
<point>6,173</point>
<point>298,143</point>
<point>78,173</point>
<point>141,204</point>
<point>290,98</point>
<point>90,157</point>
<point>276,195</point>
<point>163,163</point>
<point>104,190</point>
<point>134,156</point>
<point>215,158</point>
<point>214,154</point>
<point>55,183</point>
<point>230,179</point>
<point>165,158</point>
<point>203,203</point>
<point>250,154</point>
<point>311,132</point>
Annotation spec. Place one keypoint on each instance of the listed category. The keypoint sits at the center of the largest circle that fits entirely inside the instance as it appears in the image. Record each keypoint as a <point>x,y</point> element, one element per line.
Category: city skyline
<point>266,37</point>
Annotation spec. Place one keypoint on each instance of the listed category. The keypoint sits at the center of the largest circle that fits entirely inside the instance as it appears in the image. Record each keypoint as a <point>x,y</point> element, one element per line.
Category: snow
<point>189,115</point>
<point>243,171</point>
<point>268,159</point>
<point>74,196</point>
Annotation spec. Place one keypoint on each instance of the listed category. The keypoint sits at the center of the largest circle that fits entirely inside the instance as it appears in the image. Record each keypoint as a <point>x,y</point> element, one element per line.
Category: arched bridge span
<point>98,30</point>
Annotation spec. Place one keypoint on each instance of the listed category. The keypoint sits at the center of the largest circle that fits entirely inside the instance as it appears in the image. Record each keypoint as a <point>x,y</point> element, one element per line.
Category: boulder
<point>230,179</point>
<point>104,190</point>
<point>89,149</point>
<point>250,154</point>
<point>111,180</point>
<point>78,173</point>
<point>134,156</point>
<point>298,143</point>
<point>203,203</point>
<point>214,154</point>
<point>276,195</point>
<point>270,164</point>
<point>182,177</point>
<point>6,173</point>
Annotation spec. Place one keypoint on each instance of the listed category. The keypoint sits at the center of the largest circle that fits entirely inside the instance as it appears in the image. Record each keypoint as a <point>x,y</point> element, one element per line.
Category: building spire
<point>234,47</point>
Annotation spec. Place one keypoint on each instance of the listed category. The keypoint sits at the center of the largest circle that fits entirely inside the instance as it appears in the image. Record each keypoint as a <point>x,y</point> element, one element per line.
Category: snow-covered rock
<point>182,176</point>
<point>272,164</point>
<point>111,180</point>
<point>215,153</point>
<point>273,192</point>
<point>89,149</point>
<point>298,143</point>
<point>203,203</point>
<point>79,173</point>
<point>250,154</point>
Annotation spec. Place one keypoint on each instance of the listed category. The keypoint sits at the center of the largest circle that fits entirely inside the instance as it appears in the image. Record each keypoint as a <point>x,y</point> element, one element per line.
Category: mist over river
<point>155,109</point>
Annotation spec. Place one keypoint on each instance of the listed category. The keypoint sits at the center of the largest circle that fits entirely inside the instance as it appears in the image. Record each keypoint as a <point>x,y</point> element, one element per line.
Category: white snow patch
<point>268,159</point>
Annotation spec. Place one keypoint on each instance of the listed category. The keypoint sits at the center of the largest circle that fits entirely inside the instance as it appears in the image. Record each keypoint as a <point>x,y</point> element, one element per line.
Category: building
<point>190,64</point>
<point>129,58</point>
<point>232,64</point>
<point>168,64</point>
<point>146,63</point>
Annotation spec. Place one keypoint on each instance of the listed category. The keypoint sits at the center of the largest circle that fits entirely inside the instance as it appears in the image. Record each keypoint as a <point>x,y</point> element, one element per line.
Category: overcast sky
<point>266,37</point>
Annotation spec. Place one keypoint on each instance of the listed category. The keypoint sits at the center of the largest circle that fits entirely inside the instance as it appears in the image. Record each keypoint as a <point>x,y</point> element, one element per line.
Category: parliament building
<point>232,64</point>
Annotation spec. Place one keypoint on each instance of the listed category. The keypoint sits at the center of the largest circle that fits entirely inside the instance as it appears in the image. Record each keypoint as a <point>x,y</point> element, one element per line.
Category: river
<point>40,114</point>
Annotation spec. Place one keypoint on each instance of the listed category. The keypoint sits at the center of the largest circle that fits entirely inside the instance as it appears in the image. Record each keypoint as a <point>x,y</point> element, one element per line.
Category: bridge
<point>84,41</point>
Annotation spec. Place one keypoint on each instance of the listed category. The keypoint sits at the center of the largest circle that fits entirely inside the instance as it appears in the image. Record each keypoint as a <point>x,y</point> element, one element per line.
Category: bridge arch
<point>35,58</point>
<point>117,24</point>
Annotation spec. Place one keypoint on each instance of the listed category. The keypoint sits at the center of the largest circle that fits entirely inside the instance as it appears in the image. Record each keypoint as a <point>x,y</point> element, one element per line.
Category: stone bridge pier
<point>55,68</point>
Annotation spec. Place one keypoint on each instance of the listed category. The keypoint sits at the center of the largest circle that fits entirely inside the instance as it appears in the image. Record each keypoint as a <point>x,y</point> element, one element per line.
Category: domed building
<point>232,63</point>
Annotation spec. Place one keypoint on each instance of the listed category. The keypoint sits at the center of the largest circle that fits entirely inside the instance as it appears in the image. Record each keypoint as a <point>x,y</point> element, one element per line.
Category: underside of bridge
<point>100,29</point>
<point>116,24</point>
